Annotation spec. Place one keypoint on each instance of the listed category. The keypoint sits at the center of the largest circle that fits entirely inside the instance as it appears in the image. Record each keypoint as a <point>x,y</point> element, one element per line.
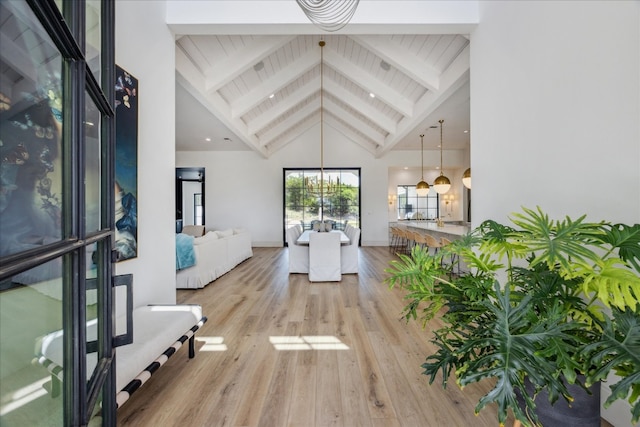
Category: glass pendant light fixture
<point>442,183</point>
<point>466,178</point>
<point>422,188</point>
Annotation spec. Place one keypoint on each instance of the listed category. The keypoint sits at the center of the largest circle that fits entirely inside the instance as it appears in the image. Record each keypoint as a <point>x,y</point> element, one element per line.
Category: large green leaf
<point>558,243</point>
<point>506,345</point>
<point>618,350</point>
<point>626,238</point>
<point>419,274</point>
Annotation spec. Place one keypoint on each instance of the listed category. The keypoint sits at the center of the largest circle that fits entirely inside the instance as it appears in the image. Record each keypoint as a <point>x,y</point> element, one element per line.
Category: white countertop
<point>458,230</point>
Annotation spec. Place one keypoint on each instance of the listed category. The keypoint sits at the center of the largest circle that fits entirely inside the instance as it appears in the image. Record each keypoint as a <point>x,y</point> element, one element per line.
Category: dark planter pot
<point>583,412</point>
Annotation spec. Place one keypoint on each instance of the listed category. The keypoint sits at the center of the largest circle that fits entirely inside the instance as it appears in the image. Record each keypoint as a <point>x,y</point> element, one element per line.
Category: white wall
<point>555,109</point>
<point>245,190</point>
<point>146,48</point>
<point>555,113</point>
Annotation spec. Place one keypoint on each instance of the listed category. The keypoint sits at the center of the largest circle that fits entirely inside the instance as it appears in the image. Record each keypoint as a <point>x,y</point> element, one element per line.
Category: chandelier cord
<point>321,130</point>
<point>422,156</point>
<point>441,172</point>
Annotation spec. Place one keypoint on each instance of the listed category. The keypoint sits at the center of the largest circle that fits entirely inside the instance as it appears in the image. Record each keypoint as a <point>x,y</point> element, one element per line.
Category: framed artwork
<point>126,173</point>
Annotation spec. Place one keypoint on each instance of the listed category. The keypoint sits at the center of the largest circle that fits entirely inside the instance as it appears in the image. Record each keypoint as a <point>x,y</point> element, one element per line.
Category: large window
<point>341,203</point>
<point>412,206</point>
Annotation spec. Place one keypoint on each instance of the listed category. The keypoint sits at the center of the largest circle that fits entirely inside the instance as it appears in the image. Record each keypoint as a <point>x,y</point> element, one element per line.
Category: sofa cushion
<point>193,230</point>
<point>211,235</point>
<point>224,233</point>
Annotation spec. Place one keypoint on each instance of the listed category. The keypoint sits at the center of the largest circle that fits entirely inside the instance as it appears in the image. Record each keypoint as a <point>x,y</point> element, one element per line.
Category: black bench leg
<point>56,386</point>
<point>192,347</point>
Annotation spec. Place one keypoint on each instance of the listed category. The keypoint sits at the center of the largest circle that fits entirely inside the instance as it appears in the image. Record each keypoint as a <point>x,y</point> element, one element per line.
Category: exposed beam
<point>361,106</point>
<point>229,68</point>
<point>274,84</point>
<point>404,61</point>
<point>192,80</point>
<point>456,75</point>
<point>290,122</point>
<point>286,104</point>
<point>354,121</point>
<point>349,133</point>
<point>293,134</point>
<point>368,82</point>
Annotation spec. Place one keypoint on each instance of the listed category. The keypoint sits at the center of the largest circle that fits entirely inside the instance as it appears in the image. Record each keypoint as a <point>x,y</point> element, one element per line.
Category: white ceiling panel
<point>410,76</point>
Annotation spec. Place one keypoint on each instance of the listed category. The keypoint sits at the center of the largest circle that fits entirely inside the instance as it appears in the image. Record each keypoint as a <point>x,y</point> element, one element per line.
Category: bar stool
<point>432,242</point>
<point>395,236</point>
<point>420,239</point>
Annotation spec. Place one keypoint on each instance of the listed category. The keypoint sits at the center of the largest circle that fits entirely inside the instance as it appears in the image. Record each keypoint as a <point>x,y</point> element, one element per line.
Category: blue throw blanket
<point>185,255</point>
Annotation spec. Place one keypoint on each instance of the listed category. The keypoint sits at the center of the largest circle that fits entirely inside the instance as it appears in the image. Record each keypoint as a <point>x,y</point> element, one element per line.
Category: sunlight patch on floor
<point>22,396</point>
<point>212,343</point>
<point>307,342</point>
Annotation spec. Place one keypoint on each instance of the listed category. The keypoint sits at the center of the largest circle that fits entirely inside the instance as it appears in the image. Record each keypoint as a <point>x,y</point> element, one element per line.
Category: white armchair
<point>324,257</point>
<point>349,253</point>
<point>298,254</point>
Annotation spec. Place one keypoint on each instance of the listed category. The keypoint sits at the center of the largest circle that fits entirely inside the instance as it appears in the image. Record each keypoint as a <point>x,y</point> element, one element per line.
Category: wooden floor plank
<point>352,361</point>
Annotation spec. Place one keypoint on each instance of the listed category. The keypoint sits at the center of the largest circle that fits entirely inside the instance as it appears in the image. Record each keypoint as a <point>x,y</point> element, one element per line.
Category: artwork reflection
<point>30,170</point>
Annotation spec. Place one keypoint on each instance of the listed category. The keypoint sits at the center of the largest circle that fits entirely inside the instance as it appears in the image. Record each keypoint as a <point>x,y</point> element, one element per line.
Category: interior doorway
<point>190,197</point>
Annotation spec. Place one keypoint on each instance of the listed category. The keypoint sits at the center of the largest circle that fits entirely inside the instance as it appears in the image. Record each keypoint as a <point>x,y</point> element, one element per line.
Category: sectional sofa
<point>216,253</point>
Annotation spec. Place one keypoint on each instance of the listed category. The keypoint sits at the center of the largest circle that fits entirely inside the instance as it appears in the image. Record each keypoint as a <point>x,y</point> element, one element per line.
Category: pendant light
<point>329,15</point>
<point>442,183</point>
<point>422,188</point>
<point>466,178</point>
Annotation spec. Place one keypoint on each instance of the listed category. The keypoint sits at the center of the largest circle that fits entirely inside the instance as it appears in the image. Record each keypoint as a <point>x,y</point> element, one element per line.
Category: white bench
<point>158,332</point>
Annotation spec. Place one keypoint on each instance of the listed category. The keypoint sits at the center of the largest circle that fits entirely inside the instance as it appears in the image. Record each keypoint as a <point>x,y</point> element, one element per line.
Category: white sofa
<point>216,253</point>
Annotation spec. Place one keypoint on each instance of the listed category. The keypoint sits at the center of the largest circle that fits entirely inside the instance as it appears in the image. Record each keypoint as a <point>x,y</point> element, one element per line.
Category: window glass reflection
<point>93,36</point>
<point>30,131</point>
<point>92,165</point>
<point>30,343</point>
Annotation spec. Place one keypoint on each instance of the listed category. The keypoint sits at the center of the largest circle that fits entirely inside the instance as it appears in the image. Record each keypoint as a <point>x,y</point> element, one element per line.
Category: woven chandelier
<point>329,15</point>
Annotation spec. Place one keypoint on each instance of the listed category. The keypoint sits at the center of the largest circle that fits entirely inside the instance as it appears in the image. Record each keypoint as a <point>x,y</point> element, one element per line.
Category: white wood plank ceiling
<point>266,89</point>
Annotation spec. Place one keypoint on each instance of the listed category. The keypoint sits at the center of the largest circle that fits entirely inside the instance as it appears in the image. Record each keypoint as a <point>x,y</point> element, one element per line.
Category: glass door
<point>56,213</point>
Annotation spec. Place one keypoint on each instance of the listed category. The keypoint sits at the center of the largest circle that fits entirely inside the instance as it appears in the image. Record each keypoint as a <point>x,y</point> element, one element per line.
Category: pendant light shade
<point>442,183</point>
<point>422,188</point>
<point>466,178</point>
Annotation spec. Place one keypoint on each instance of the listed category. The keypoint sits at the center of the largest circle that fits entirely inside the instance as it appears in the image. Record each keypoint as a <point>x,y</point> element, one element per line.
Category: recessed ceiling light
<point>208,139</point>
<point>227,139</point>
<point>259,66</point>
<point>385,65</point>
<point>371,94</point>
<point>466,131</point>
<point>272,95</point>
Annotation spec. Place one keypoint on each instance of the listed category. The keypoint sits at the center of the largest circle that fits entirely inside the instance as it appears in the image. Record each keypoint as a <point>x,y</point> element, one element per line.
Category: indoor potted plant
<point>544,301</point>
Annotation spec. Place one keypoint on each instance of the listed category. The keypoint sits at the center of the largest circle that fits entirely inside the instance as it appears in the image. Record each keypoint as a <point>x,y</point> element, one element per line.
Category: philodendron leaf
<point>614,285</point>
<point>618,350</point>
<point>627,239</point>
<point>558,243</point>
<point>507,346</point>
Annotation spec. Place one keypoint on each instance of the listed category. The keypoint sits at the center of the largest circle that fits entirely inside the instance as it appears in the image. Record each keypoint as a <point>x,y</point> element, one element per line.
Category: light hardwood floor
<point>278,350</point>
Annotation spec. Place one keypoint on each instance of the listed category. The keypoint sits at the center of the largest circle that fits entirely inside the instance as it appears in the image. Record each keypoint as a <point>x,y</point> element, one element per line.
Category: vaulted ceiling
<point>380,91</point>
